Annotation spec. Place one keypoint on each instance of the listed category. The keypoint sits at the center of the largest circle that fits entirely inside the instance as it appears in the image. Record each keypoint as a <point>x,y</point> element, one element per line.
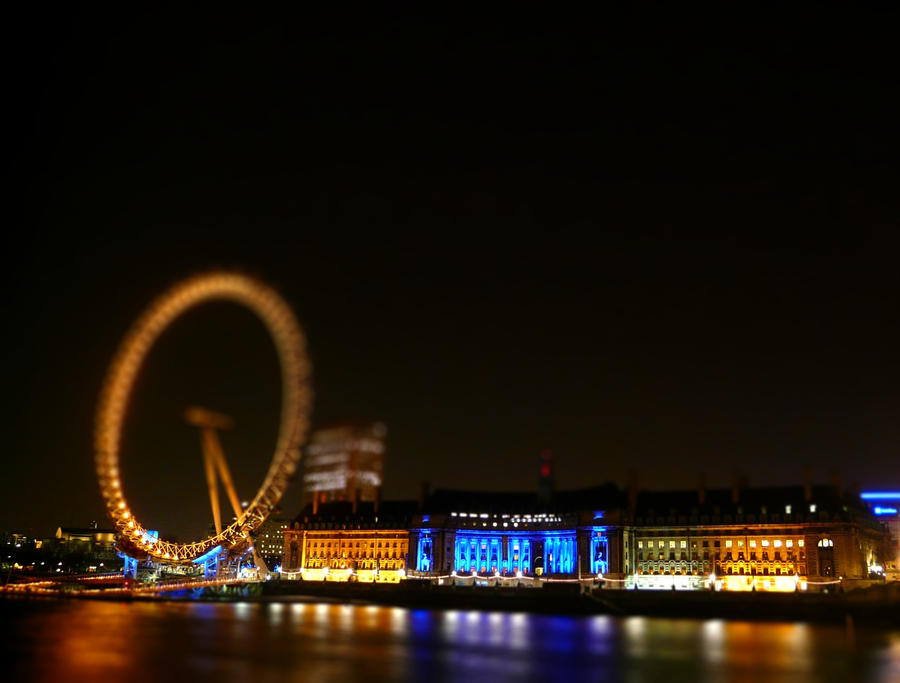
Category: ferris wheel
<point>290,344</point>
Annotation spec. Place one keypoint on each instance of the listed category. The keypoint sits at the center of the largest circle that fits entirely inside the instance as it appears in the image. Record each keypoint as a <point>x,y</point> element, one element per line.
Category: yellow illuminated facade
<point>363,555</point>
<point>775,539</point>
<point>761,558</point>
<point>341,542</point>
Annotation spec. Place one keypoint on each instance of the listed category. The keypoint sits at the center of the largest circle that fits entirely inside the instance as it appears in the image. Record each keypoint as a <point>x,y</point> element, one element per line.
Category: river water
<point>81,640</point>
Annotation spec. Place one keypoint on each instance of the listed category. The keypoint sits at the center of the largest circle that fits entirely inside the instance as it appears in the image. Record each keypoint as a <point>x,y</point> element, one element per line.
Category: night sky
<point>640,241</point>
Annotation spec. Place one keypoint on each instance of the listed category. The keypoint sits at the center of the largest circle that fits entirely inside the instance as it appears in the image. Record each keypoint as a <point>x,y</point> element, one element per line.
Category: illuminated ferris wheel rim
<point>290,343</point>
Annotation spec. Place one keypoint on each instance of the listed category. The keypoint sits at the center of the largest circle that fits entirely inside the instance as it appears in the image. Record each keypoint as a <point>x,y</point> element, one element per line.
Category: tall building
<point>344,462</point>
<point>269,540</point>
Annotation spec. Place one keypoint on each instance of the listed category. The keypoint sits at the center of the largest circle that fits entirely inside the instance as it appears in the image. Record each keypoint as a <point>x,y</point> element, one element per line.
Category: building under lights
<point>743,539</point>
<point>269,540</point>
<point>775,538</point>
<point>516,535</point>
<point>344,462</point>
<point>885,505</point>
<point>342,541</point>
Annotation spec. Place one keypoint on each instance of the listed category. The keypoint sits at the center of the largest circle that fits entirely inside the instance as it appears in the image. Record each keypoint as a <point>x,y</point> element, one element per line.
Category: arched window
<point>826,557</point>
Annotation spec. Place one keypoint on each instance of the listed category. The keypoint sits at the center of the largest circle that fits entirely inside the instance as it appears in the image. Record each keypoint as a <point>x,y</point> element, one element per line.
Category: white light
<point>812,507</point>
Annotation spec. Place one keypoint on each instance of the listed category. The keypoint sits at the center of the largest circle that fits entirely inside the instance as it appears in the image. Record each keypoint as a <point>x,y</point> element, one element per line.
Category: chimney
<point>632,490</point>
<point>807,484</point>
<point>355,499</point>
<point>315,502</point>
<point>423,496</point>
<point>701,489</point>
<point>740,482</point>
<point>836,481</point>
<point>545,478</point>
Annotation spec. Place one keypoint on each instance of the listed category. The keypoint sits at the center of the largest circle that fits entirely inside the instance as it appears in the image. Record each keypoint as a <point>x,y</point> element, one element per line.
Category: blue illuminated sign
<point>880,495</point>
<point>885,511</point>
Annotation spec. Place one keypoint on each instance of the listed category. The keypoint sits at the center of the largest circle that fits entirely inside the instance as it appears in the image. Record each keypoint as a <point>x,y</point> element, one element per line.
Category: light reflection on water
<point>82,640</point>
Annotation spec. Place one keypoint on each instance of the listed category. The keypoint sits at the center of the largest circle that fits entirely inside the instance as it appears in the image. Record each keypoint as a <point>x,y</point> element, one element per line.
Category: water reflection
<point>81,640</point>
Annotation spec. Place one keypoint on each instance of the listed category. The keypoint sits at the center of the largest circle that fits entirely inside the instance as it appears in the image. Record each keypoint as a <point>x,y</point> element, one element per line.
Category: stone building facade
<point>343,542</point>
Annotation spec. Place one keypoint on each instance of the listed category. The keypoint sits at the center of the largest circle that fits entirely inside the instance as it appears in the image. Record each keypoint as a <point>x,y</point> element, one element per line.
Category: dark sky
<point>642,241</point>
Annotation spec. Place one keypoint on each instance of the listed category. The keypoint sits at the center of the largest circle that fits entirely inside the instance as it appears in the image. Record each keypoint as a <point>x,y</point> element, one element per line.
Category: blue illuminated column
<point>424,555</point>
<point>599,551</point>
<point>494,563</point>
<point>129,566</point>
<point>551,554</point>
<point>504,555</point>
